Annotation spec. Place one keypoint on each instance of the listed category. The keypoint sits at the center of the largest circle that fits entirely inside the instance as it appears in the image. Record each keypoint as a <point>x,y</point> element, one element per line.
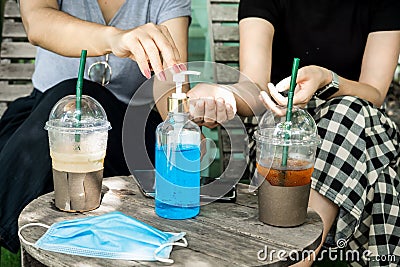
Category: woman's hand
<point>211,104</point>
<point>150,46</point>
<point>309,79</point>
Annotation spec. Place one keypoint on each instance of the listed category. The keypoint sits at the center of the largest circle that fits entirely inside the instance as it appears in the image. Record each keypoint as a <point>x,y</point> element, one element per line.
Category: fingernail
<point>161,76</point>
<point>147,73</point>
<point>182,67</point>
<point>176,68</point>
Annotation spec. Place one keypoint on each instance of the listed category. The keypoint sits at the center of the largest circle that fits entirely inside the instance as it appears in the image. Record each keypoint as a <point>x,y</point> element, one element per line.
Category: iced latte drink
<point>77,150</point>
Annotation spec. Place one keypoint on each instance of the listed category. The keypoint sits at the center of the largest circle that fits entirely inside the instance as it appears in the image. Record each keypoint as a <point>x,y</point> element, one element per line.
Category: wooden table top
<point>223,234</point>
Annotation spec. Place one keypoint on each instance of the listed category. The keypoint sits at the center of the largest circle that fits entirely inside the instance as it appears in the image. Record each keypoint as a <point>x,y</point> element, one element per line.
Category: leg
<point>16,114</point>
<point>354,169</point>
<point>24,174</point>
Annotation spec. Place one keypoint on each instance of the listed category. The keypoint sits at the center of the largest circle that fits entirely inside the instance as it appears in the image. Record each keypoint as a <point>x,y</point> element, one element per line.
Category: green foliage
<point>8,259</point>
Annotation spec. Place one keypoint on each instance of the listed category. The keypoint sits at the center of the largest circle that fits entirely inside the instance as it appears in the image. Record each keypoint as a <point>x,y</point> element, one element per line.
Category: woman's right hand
<point>309,79</point>
<point>151,46</point>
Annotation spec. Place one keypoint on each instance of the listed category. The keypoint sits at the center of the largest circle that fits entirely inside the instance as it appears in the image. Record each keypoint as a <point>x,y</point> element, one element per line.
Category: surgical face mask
<point>113,236</point>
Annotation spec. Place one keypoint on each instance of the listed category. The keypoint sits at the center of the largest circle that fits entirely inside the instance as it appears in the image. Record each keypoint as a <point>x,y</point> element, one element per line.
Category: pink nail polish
<point>176,68</point>
<point>182,67</point>
<point>161,76</point>
<point>147,73</point>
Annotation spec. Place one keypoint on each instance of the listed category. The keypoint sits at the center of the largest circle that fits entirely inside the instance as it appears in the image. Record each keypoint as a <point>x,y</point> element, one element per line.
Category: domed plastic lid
<point>64,117</point>
<point>274,129</point>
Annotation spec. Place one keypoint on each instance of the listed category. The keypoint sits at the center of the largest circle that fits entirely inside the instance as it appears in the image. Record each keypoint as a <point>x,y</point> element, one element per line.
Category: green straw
<point>293,79</point>
<point>79,85</point>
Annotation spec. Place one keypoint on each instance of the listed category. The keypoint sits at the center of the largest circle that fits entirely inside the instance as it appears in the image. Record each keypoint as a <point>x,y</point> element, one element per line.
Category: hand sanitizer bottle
<point>177,159</point>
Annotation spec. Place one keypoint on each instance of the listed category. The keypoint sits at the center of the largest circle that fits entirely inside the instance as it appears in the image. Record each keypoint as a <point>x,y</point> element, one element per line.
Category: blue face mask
<point>112,236</point>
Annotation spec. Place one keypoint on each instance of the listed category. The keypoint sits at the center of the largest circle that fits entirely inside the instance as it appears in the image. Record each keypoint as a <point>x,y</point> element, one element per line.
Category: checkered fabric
<point>356,168</point>
<point>250,124</point>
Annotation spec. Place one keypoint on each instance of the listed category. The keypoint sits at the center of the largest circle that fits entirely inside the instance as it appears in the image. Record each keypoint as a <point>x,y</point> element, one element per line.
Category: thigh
<point>17,112</point>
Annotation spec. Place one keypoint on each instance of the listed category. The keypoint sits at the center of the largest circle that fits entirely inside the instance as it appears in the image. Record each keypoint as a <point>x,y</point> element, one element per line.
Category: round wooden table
<point>223,234</point>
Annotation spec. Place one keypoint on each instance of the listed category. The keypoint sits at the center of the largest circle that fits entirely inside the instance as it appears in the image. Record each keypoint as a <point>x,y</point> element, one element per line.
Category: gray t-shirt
<point>51,68</point>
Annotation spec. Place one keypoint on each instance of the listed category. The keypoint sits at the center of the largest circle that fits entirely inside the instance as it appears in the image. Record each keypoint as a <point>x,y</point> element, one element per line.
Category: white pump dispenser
<point>179,79</point>
<point>178,101</point>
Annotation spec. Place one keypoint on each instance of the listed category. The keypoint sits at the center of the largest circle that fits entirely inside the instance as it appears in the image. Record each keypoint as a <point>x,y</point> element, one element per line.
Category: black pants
<point>25,171</point>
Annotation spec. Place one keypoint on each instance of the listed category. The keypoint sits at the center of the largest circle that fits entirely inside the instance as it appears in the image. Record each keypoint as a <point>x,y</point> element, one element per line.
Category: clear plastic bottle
<point>178,160</point>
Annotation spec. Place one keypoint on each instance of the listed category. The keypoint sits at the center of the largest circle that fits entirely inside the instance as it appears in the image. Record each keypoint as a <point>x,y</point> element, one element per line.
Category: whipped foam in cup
<point>78,163</point>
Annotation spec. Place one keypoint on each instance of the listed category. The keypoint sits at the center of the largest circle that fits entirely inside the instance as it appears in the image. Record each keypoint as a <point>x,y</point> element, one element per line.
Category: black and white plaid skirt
<point>356,168</point>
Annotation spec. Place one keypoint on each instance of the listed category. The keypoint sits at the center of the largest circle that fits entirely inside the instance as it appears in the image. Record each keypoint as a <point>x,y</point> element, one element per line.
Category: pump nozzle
<point>179,79</point>
<point>178,100</point>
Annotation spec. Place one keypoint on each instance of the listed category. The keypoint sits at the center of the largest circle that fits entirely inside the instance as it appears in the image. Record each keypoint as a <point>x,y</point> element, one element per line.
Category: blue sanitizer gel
<point>177,181</point>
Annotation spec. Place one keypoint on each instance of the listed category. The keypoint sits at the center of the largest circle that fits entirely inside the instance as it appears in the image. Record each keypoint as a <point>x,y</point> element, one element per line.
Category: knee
<point>347,104</point>
<point>345,112</point>
<point>68,87</point>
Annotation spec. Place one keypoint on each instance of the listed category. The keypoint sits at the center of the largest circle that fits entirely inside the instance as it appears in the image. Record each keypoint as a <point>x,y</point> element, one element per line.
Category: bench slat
<point>13,30</point>
<point>10,92</point>
<point>15,50</point>
<point>223,33</point>
<point>16,71</point>
<point>227,76</point>
<point>3,107</point>
<point>224,13</point>
<point>226,53</point>
<point>11,10</point>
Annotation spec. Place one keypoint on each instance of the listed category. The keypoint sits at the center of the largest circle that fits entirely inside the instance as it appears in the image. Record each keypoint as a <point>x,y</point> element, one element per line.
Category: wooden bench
<point>16,57</point>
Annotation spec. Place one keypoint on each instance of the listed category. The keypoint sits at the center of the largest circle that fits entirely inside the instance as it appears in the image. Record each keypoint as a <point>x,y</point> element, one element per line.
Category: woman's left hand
<point>309,79</point>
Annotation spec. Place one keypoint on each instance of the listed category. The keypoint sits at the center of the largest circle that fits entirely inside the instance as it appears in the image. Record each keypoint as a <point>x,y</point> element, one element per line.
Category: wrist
<point>326,77</point>
<point>110,36</point>
<point>330,88</point>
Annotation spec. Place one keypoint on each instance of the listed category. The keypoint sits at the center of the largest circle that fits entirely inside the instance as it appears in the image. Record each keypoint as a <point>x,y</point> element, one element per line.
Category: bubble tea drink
<point>77,150</point>
<point>285,163</point>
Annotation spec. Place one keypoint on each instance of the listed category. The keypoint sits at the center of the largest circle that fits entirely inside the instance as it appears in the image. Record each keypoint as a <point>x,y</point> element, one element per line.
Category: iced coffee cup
<point>77,149</point>
<point>285,163</point>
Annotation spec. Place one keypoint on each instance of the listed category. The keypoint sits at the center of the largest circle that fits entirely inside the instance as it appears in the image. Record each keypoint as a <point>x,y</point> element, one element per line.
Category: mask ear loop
<point>184,244</point>
<point>28,225</point>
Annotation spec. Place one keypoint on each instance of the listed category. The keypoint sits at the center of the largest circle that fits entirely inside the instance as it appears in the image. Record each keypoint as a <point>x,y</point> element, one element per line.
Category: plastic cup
<point>77,149</point>
<point>284,189</point>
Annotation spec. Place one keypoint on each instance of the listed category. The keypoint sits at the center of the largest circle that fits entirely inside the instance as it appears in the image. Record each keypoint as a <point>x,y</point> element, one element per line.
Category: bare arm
<point>66,35</point>
<point>379,62</point>
<point>256,36</point>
